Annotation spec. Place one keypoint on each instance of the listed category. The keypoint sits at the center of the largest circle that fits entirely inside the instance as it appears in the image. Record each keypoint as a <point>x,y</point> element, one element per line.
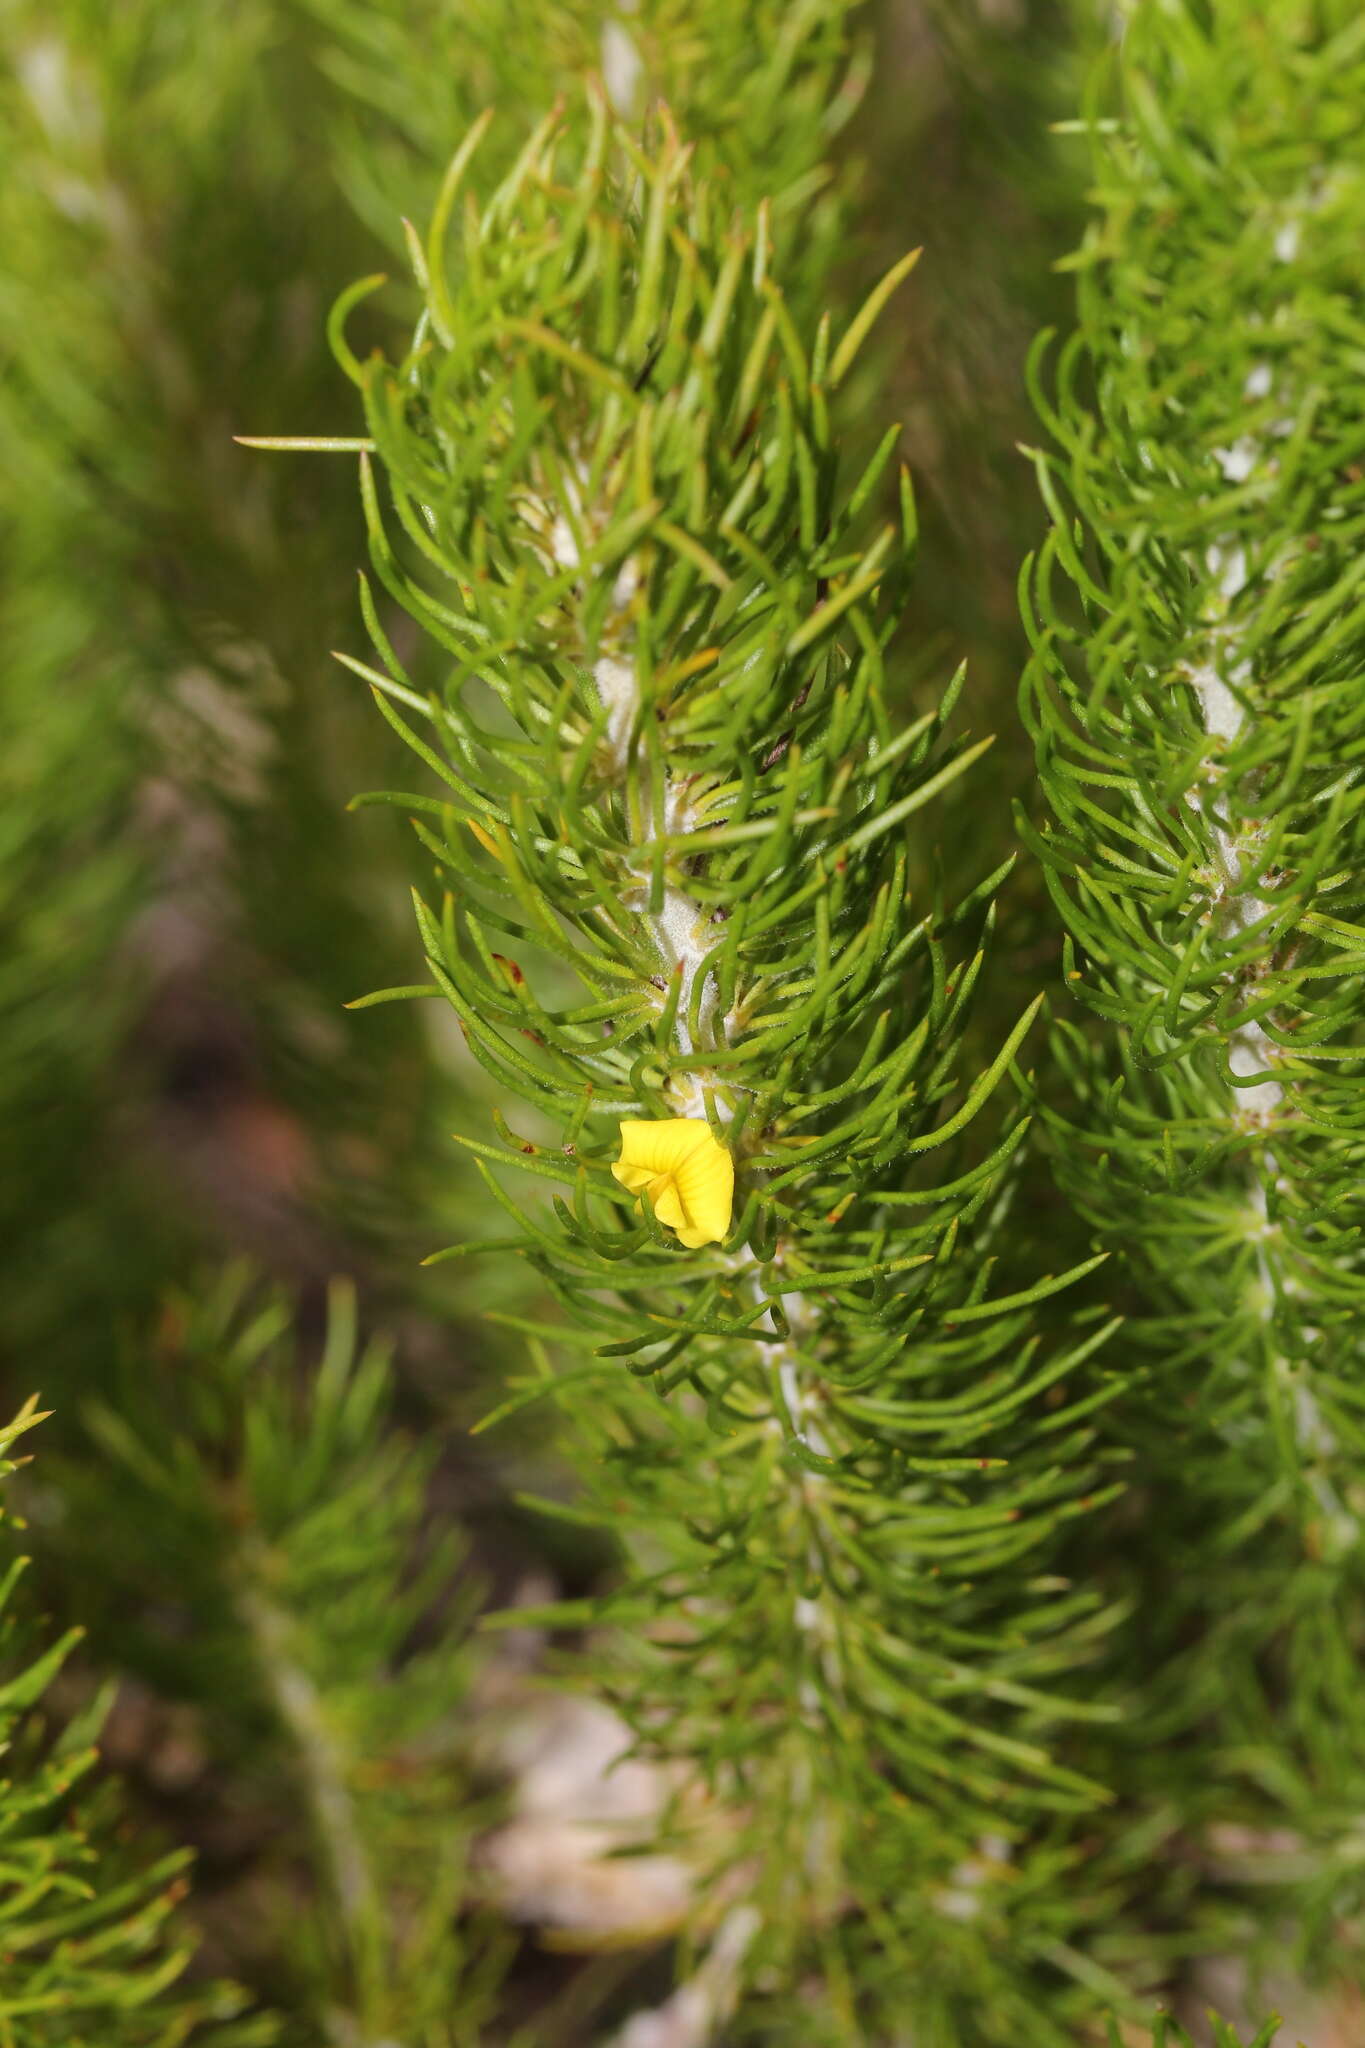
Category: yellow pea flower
<point>687,1174</point>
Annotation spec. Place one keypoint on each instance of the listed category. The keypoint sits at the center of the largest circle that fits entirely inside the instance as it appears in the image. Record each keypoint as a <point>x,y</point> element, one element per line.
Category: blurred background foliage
<point>186,907</point>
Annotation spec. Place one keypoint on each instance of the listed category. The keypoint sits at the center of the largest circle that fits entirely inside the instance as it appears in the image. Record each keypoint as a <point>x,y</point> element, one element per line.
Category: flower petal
<point>679,1165</point>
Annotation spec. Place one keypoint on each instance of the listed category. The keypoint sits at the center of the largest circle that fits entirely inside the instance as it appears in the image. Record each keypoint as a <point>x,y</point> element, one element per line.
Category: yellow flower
<point>688,1175</point>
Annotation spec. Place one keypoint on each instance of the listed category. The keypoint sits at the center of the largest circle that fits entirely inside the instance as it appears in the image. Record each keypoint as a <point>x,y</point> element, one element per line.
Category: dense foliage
<point>611,455</point>
<point>1196,706</point>
<point>855,1535</point>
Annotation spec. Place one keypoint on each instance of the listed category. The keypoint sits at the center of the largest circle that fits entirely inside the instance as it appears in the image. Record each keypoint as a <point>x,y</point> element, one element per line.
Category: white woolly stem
<point>1221,684</point>
<point>680,927</point>
<point>683,933</point>
<point>1250,1050</point>
<point>781,1357</point>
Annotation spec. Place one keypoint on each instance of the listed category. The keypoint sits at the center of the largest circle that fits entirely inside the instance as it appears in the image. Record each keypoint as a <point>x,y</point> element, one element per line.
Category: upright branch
<point>1195,699</point>
<point>689,919</point>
